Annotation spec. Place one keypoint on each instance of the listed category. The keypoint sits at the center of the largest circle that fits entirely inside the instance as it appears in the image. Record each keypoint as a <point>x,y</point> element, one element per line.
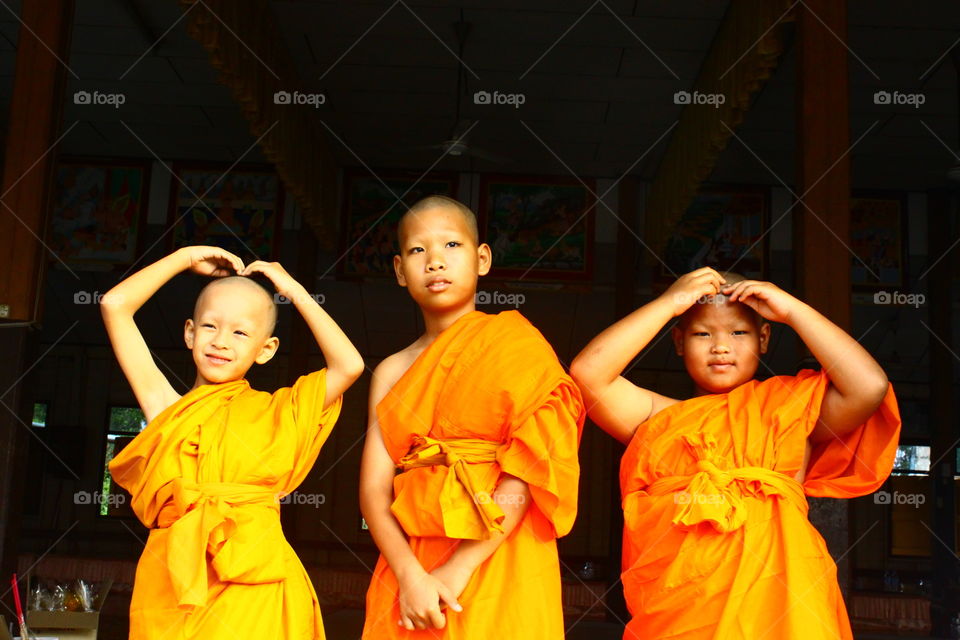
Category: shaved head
<point>440,202</point>
<point>732,278</point>
<point>248,288</point>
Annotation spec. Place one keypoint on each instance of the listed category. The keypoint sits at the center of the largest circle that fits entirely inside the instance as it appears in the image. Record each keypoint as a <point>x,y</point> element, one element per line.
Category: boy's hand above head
<point>766,298</point>
<point>284,283</point>
<point>212,261</point>
<point>344,363</point>
<point>689,288</point>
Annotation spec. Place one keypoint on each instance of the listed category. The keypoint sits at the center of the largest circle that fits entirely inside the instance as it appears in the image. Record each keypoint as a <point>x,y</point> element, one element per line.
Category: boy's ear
<point>401,280</point>
<point>764,337</point>
<point>484,259</point>
<point>678,339</point>
<point>188,329</point>
<point>268,350</point>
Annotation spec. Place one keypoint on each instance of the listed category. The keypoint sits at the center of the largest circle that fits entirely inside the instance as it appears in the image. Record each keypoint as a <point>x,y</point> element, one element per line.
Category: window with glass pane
<point>123,424</point>
<point>909,500</point>
<point>912,460</point>
<point>39,414</point>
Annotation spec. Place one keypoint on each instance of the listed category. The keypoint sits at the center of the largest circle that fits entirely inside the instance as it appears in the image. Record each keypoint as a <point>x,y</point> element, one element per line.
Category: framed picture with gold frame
<point>877,239</point>
<point>539,227</point>
<point>98,208</point>
<point>236,208</point>
<point>372,206</point>
<point>724,227</point>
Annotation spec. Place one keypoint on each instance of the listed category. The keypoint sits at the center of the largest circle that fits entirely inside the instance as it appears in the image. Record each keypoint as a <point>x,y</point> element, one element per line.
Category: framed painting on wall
<point>539,227</point>
<point>239,211</point>
<point>98,207</point>
<point>877,223</point>
<point>724,228</point>
<point>372,206</point>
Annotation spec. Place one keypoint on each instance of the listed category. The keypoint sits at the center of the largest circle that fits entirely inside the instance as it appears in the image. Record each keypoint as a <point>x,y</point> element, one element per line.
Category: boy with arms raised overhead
<point>207,472</point>
<point>717,543</point>
<point>483,425</point>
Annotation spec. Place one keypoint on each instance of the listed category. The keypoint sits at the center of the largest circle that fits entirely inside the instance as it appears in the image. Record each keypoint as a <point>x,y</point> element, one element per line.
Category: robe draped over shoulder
<point>206,477</point>
<point>717,543</point>
<point>488,397</point>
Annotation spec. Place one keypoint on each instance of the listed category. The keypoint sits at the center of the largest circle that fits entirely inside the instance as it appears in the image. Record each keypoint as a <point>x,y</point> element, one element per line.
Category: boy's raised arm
<point>118,306</point>
<point>344,362</point>
<point>857,382</point>
<point>617,405</point>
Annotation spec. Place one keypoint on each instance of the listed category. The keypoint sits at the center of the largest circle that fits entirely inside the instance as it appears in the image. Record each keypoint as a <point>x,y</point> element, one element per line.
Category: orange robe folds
<point>206,477</point>
<point>717,543</point>
<point>487,398</point>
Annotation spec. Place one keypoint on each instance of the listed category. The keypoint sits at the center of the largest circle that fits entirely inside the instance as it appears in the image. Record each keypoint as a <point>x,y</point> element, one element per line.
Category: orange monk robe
<point>490,378</point>
<point>716,538</point>
<point>206,476</point>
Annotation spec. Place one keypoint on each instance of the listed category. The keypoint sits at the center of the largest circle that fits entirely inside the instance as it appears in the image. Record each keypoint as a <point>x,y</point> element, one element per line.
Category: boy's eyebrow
<point>438,232</point>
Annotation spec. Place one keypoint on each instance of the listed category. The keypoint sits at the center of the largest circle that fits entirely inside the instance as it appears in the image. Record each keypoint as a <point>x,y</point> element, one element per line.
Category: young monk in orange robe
<point>717,543</point>
<point>207,472</point>
<point>483,425</point>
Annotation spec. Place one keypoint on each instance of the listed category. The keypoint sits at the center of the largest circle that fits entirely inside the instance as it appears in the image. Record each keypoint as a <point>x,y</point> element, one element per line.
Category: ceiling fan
<point>457,144</point>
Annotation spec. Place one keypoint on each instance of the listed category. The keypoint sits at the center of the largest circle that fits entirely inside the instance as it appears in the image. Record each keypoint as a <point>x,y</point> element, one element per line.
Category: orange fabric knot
<point>460,485</point>
<point>716,495</point>
<point>237,525</point>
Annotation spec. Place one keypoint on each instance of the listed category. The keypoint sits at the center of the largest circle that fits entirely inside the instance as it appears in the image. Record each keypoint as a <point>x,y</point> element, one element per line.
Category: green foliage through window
<point>39,414</point>
<point>123,423</point>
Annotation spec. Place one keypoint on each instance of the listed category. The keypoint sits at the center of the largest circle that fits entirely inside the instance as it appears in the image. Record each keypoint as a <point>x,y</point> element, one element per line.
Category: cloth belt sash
<point>717,495</point>
<point>460,485</point>
<point>235,528</point>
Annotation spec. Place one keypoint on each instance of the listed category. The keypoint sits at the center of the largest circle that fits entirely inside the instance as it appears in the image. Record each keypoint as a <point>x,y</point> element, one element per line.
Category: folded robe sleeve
<point>302,410</point>
<point>541,450</point>
<point>856,464</point>
<point>860,462</point>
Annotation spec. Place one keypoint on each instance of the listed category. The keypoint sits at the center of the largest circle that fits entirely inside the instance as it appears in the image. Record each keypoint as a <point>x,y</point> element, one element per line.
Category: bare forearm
<point>607,355</point>
<point>131,294</point>
<point>513,496</point>
<point>851,368</point>
<point>389,536</point>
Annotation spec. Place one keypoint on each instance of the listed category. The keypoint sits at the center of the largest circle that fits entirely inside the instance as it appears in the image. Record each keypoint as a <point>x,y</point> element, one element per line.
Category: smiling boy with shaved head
<point>717,544</point>
<point>207,472</point>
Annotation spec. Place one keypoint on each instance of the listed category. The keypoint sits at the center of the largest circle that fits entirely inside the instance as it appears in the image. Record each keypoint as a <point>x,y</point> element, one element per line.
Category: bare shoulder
<point>391,369</point>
